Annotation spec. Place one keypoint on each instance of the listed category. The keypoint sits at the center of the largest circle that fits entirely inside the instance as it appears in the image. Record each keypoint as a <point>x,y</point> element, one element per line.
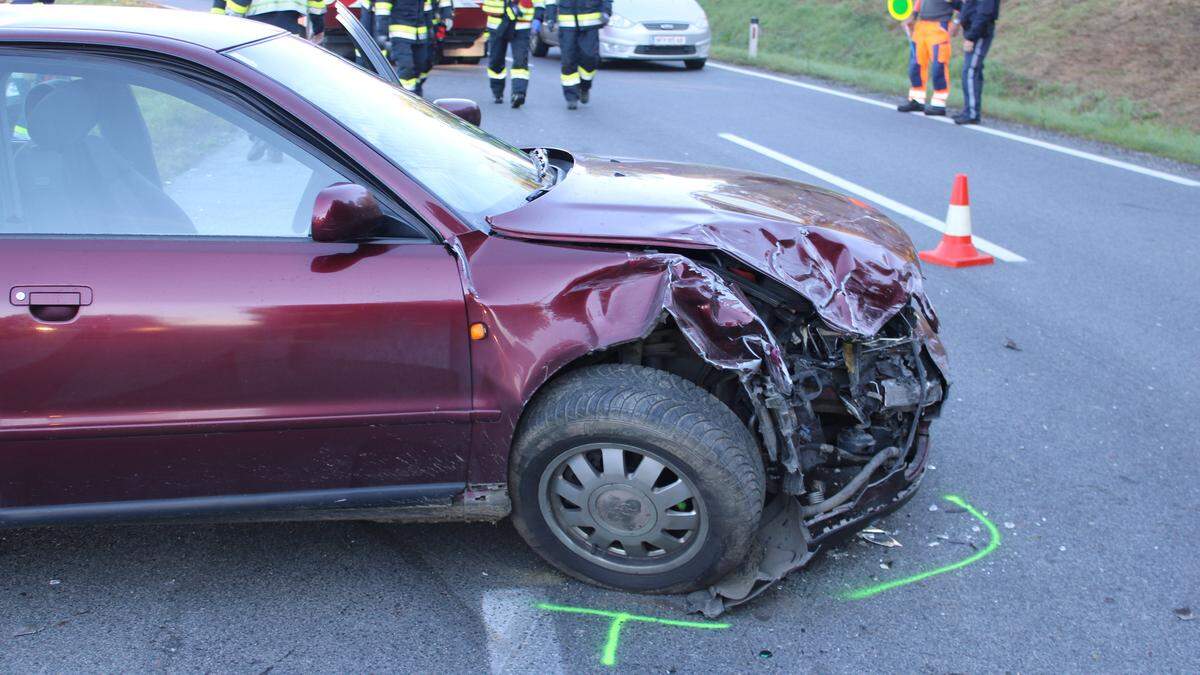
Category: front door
<point>171,331</point>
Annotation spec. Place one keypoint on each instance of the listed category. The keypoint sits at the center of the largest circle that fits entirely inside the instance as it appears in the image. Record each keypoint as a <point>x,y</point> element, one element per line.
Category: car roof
<point>66,21</point>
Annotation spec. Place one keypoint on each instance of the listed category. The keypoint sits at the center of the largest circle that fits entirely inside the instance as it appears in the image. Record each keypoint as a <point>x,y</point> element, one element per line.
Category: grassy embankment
<point>1083,67</point>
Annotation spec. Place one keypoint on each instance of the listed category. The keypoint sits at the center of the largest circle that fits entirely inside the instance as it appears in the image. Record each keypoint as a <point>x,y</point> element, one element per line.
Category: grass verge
<point>854,42</point>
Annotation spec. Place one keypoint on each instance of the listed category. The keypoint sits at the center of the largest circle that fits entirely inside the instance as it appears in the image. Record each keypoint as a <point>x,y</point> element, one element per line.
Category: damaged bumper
<point>787,540</point>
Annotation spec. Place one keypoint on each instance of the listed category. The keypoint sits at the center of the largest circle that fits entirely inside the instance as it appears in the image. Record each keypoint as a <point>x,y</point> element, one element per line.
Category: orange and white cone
<point>956,248</point>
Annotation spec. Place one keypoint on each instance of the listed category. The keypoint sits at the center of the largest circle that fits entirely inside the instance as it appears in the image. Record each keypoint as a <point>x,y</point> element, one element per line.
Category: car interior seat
<point>72,181</point>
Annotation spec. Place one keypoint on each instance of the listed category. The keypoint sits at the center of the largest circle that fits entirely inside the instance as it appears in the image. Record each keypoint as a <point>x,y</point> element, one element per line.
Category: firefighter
<point>508,24</point>
<point>290,15</point>
<point>439,19</point>
<point>579,23</point>
<point>979,26</point>
<point>929,54</point>
<point>405,27</point>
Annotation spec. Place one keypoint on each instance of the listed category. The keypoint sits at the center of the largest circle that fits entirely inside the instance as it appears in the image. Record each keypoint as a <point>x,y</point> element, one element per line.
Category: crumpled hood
<point>854,264</point>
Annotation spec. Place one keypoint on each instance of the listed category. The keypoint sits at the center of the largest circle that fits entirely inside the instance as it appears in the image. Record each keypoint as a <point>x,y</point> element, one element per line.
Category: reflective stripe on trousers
<point>972,77</point>
<point>580,49</point>
<point>509,36</point>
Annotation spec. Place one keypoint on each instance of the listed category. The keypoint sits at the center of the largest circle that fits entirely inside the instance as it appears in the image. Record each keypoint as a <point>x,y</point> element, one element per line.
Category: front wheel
<point>636,479</point>
<point>695,64</point>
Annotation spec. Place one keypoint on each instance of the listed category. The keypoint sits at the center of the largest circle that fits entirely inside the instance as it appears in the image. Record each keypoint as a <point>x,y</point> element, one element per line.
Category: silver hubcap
<point>623,508</point>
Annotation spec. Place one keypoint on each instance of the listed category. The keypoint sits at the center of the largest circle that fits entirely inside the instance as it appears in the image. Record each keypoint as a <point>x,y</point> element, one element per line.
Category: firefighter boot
<point>911,106</point>
<point>518,100</point>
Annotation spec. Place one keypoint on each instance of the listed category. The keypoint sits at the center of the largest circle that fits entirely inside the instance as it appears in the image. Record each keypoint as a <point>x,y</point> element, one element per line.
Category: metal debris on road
<point>992,545</point>
<point>879,537</point>
<point>1185,613</point>
<point>1009,344</point>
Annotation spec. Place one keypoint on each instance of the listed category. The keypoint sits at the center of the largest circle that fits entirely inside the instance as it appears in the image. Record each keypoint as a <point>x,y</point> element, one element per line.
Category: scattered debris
<point>839,554</point>
<point>55,582</point>
<point>1062,548</point>
<point>1008,525</point>
<point>879,537</point>
<point>28,630</point>
<point>1010,344</point>
<point>885,564</point>
<point>765,654</point>
<point>934,543</point>
<point>933,507</point>
<point>1185,613</point>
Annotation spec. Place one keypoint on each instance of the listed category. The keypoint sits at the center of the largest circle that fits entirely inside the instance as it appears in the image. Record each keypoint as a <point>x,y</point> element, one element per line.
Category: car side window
<point>108,148</point>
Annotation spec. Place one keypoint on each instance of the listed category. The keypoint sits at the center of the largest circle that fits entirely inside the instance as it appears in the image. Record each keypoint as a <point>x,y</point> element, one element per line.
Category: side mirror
<point>463,107</point>
<point>344,212</point>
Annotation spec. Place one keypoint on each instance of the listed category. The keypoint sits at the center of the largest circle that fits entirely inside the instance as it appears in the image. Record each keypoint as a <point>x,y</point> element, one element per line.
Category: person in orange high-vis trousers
<point>929,54</point>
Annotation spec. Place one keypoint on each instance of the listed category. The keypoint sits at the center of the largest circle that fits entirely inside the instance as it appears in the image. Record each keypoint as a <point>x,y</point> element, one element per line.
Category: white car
<point>647,30</point>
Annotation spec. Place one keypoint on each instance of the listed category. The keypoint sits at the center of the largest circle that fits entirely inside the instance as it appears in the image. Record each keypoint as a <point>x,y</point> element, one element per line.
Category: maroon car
<point>250,280</point>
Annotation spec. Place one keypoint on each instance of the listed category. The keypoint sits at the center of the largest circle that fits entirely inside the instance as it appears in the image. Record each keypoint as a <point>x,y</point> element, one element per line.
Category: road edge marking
<point>885,202</point>
<point>1045,145</point>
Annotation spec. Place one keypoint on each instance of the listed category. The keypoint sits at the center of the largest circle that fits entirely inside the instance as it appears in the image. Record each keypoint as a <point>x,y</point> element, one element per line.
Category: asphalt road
<point>1079,444</point>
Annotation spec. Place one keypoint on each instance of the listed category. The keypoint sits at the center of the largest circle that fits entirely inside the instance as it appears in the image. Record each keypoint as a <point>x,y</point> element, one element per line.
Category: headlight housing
<point>618,21</point>
<point>701,24</point>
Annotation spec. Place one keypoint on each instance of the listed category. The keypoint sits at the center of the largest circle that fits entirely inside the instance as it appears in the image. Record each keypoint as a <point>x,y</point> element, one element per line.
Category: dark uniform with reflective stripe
<point>406,25</point>
<point>283,14</point>
<point>979,26</point>
<point>508,23</point>
<point>579,23</point>
<point>437,12</point>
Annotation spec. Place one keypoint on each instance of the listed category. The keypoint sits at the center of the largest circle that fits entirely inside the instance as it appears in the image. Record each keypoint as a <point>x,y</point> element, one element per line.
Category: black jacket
<point>979,18</point>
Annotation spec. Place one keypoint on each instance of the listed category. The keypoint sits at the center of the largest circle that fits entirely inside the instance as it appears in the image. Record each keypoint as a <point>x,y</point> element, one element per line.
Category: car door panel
<point>208,367</point>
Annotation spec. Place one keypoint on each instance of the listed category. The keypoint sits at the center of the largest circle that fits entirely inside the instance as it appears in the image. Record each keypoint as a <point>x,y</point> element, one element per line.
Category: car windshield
<point>471,171</point>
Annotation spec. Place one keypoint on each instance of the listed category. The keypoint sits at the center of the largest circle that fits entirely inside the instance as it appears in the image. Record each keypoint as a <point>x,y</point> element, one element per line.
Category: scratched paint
<point>993,543</point>
<point>617,621</point>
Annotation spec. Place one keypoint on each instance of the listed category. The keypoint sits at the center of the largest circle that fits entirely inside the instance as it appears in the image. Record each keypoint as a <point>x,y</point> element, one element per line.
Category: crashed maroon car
<point>249,280</point>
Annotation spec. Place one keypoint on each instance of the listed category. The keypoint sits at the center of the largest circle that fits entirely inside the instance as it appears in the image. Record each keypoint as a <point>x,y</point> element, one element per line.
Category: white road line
<point>802,85</point>
<point>870,195</point>
<point>980,129</point>
<point>520,637</point>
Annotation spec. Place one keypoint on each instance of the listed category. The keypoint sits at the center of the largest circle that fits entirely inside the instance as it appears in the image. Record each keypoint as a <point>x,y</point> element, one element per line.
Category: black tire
<point>695,64</point>
<point>537,46</point>
<point>667,416</point>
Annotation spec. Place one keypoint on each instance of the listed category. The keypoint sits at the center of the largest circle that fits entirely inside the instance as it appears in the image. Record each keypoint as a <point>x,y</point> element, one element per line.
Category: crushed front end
<point>847,444</point>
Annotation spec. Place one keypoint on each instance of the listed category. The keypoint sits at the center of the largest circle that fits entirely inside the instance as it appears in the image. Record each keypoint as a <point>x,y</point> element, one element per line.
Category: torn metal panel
<point>579,301</point>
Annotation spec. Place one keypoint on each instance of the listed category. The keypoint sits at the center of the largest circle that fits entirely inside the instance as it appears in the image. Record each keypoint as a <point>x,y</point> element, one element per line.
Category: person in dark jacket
<point>579,23</point>
<point>978,28</point>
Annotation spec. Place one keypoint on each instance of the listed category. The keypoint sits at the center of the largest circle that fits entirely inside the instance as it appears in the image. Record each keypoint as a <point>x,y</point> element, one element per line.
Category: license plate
<point>670,39</point>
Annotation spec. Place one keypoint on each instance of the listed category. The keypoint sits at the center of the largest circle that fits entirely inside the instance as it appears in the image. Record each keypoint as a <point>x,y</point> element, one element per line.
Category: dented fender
<point>582,300</point>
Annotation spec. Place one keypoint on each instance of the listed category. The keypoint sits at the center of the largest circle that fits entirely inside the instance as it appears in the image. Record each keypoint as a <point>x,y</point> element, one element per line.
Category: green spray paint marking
<point>619,619</point>
<point>868,591</point>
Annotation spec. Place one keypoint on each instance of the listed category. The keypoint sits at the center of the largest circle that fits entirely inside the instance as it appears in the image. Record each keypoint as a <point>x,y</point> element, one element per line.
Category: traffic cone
<point>956,249</point>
